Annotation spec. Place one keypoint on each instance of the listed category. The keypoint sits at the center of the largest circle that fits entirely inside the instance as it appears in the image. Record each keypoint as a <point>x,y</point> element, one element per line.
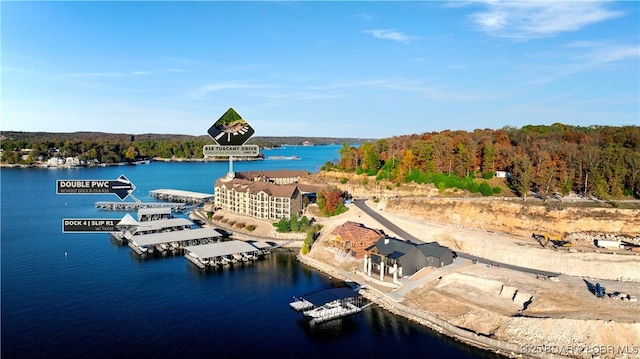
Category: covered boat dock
<point>222,253</point>
<point>154,214</point>
<point>164,225</point>
<point>176,239</point>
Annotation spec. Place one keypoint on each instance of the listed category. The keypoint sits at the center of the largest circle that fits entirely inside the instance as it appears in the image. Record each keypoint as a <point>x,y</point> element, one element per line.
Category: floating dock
<point>181,196</point>
<point>136,206</point>
<point>328,304</point>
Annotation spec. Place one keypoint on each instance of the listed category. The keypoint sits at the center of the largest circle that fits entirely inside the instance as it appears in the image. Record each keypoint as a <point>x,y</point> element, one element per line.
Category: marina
<point>58,293</point>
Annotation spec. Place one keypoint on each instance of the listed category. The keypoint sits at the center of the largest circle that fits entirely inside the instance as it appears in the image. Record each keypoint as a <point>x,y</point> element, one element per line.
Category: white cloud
<point>363,16</point>
<point>391,34</point>
<point>91,74</point>
<point>204,90</point>
<point>586,57</point>
<point>602,53</point>
<point>532,19</point>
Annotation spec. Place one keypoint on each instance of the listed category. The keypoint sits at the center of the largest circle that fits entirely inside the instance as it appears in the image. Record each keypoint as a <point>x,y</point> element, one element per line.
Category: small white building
<point>502,174</point>
<point>71,162</point>
<point>55,161</point>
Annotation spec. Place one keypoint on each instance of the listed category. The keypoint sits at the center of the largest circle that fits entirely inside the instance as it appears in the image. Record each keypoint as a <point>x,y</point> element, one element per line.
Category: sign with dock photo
<point>230,129</point>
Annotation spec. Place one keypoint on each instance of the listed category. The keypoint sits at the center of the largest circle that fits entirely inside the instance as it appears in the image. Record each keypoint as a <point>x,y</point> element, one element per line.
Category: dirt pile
<point>559,318</point>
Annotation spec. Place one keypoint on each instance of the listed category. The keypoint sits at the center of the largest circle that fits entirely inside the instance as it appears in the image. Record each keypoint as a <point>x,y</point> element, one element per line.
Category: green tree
<point>283,226</point>
<point>521,174</point>
<point>293,223</point>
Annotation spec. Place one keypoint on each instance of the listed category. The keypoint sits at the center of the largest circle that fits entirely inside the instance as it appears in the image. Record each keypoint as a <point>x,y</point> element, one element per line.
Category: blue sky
<point>337,69</point>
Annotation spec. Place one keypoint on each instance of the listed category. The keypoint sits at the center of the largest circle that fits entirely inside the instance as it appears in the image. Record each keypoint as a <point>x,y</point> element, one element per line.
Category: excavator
<point>555,240</point>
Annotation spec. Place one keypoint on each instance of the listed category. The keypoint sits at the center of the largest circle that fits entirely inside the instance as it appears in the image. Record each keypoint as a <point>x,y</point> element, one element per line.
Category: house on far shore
<point>355,238</point>
<point>398,258</point>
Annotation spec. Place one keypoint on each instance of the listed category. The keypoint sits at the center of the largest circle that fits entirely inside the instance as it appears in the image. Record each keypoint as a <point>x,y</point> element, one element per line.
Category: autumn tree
<point>331,202</point>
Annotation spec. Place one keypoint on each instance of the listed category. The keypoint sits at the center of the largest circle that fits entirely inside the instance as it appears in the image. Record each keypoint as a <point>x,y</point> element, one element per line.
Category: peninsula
<point>504,292</point>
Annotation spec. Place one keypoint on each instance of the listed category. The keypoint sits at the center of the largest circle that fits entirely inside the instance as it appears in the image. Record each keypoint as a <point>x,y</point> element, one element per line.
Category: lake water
<point>82,295</point>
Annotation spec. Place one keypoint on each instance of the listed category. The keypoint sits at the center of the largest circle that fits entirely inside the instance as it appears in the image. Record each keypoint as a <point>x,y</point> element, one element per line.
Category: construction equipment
<point>555,240</point>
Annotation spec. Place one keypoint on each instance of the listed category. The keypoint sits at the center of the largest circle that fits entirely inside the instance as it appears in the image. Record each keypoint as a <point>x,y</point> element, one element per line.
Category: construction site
<point>591,303</point>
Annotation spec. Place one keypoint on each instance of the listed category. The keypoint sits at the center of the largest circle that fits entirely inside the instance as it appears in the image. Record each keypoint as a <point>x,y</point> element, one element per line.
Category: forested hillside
<point>544,160</point>
<point>113,148</point>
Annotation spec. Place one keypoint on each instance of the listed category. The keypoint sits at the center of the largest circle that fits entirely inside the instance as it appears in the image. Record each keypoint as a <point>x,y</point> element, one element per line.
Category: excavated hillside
<point>519,218</point>
<point>501,214</point>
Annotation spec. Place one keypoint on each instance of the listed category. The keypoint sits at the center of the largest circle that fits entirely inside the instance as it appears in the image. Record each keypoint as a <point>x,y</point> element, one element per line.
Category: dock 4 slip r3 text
<point>83,186</point>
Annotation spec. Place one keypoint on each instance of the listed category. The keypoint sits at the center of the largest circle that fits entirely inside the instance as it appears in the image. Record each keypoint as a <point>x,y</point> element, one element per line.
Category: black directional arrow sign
<point>121,187</point>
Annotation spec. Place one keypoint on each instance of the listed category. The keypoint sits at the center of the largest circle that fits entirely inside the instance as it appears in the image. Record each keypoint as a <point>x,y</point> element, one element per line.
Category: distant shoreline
<point>135,163</point>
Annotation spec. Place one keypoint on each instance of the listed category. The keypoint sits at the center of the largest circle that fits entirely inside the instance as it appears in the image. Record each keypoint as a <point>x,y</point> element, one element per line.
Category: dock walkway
<point>180,195</point>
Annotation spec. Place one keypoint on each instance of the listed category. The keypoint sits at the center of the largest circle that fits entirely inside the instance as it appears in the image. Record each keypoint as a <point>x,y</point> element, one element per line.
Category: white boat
<point>331,308</point>
<point>248,256</point>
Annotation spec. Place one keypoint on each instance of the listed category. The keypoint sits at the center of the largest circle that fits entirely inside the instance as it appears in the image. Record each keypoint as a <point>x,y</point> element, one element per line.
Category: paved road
<point>360,203</point>
<point>385,222</point>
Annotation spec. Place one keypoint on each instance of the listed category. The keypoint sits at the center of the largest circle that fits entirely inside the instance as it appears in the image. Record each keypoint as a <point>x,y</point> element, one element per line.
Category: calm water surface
<point>101,300</point>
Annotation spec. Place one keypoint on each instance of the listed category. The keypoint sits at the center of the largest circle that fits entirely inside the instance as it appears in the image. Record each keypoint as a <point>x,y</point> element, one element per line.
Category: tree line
<point>114,148</point>
<point>545,160</point>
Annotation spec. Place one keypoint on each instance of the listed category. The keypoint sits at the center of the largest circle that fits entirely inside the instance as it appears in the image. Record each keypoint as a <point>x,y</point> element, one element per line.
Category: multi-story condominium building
<point>261,194</point>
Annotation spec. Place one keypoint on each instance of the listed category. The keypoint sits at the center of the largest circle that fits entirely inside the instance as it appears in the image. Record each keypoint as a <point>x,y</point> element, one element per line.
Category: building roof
<point>310,188</point>
<point>127,220</point>
<point>396,248</point>
<point>386,246</point>
<point>175,236</point>
<point>433,249</point>
<point>157,210</point>
<point>350,231</point>
<point>260,244</point>
<point>163,223</point>
<point>329,295</point>
<point>220,249</point>
<point>243,185</point>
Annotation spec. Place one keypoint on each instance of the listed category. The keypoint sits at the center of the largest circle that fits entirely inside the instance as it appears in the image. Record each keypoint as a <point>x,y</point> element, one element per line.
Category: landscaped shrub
<point>209,214</point>
<point>217,217</point>
<point>487,175</point>
<point>343,180</point>
<point>250,227</point>
<point>239,225</point>
<point>485,189</point>
<point>231,223</point>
